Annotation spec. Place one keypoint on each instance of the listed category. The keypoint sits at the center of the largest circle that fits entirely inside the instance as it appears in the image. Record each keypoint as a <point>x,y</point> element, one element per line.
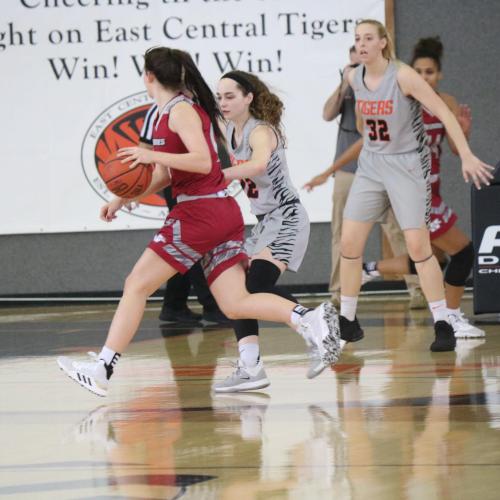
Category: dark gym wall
<point>98,262</point>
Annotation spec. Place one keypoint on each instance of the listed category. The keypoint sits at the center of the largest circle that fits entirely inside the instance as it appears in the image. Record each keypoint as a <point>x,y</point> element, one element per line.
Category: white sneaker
<point>320,328</point>
<point>92,374</point>
<point>367,274</point>
<point>244,379</point>
<point>462,328</point>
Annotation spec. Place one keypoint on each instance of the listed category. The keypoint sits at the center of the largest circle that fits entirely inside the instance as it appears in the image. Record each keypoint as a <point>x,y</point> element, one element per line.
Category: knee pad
<point>460,265</point>
<point>262,276</point>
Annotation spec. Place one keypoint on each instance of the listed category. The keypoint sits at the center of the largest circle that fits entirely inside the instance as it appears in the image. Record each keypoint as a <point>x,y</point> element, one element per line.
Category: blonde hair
<point>388,51</point>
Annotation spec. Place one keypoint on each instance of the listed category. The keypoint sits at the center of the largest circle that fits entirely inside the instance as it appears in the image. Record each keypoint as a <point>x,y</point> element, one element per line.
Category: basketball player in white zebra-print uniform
<point>394,168</point>
<point>279,240</point>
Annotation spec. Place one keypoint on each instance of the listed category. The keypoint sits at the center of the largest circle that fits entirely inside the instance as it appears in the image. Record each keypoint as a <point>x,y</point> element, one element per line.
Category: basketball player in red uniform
<point>445,235</point>
<point>205,224</point>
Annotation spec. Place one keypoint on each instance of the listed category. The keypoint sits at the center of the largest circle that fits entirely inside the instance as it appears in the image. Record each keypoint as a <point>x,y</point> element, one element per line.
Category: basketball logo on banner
<point>116,127</point>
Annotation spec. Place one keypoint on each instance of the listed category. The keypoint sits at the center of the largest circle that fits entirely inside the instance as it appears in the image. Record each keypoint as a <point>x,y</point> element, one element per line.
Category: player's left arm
<point>263,142</point>
<point>412,84</point>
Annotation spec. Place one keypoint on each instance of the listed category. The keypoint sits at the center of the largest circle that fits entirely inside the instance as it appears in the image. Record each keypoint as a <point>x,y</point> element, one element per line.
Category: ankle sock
<point>110,359</point>
<point>439,310</point>
<point>348,307</point>
<point>249,354</point>
<point>297,313</point>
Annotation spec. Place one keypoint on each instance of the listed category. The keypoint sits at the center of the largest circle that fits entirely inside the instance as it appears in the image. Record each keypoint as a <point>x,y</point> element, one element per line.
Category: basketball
<point>124,181</point>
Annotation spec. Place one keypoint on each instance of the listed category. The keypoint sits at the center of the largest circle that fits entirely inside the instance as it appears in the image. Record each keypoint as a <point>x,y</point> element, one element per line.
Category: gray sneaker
<point>243,379</point>
<point>320,327</point>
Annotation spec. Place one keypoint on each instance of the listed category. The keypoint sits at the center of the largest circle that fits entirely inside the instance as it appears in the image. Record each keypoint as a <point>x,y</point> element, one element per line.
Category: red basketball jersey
<point>166,141</point>
<point>435,133</point>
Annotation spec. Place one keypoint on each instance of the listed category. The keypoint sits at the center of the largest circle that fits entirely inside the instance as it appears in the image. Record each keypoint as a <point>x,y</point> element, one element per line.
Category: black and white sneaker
<point>350,331</point>
<point>320,327</point>
<point>445,337</point>
<point>93,375</point>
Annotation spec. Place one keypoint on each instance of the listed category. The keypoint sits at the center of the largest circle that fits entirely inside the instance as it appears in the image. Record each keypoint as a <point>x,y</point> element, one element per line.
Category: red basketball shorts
<point>210,230</point>
<point>442,217</point>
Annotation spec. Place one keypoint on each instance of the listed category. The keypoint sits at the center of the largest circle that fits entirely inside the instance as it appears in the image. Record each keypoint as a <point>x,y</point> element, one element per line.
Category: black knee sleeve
<point>261,277</point>
<point>245,327</point>
<point>460,265</point>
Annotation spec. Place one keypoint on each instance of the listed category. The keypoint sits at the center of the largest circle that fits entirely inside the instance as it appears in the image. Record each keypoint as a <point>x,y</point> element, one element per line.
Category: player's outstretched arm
<point>350,154</point>
<point>411,83</point>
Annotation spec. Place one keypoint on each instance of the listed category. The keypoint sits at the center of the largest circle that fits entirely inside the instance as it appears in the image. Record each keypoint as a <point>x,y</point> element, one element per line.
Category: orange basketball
<point>124,181</point>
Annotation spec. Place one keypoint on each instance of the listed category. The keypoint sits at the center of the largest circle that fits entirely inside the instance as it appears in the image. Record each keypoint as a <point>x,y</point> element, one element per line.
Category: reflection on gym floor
<point>391,420</point>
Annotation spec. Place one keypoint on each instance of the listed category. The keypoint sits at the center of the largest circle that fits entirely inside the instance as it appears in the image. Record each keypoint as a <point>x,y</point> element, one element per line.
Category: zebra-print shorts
<point>397,180</point>
<point>285,231</point>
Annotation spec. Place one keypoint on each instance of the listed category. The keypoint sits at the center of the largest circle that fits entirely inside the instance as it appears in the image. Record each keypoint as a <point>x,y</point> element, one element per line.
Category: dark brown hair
<point>430,47</point>
<point>265,105</point>
<point>176,70</point>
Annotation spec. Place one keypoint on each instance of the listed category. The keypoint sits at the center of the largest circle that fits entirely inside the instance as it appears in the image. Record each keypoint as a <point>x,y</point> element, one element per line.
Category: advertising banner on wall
<point>72,92</point>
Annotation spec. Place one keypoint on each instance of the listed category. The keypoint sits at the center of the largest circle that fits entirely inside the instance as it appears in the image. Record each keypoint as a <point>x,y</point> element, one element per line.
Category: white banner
<point>71,91</point>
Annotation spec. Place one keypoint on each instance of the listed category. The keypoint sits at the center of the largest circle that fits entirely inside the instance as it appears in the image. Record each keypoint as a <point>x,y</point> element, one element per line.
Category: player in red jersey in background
<point>205,224</point>
<point>445,235</point>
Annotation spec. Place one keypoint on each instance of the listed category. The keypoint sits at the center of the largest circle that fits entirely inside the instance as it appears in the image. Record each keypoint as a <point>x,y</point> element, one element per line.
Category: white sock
<point>348,307</point>
<point>109,356</point>
<point>249,354</point>
<point>297,313</point>
<point>439,310</point>
<point>455,312</point>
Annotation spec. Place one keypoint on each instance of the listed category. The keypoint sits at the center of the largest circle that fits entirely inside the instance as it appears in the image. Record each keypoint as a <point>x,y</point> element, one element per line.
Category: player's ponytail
<point>196,84</point>
<point>388,51</point>
<point>176,70</point>
<point>431,48</point>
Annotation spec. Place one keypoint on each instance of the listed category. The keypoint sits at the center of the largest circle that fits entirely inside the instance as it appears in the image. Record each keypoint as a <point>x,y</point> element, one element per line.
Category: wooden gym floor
<point>389,421</point>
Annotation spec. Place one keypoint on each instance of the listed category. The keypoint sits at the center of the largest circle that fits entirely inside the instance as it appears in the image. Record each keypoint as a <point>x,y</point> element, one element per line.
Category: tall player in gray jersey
<point>279,240</point>
<point>393,169</point>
